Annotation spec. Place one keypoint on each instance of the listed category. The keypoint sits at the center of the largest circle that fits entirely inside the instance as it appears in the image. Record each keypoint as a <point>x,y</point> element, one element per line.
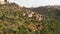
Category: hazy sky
<point>36,3</point>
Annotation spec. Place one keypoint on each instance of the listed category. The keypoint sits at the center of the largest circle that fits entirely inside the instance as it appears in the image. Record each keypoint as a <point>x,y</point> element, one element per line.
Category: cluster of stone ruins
<point>32,14</point>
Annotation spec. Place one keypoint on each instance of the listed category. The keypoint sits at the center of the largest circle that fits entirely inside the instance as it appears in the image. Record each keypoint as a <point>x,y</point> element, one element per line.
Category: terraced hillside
<point>19,20</point>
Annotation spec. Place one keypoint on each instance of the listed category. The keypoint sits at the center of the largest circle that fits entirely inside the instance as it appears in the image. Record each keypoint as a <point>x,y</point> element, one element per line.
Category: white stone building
<point>30,15</point>
<point>3,1</point>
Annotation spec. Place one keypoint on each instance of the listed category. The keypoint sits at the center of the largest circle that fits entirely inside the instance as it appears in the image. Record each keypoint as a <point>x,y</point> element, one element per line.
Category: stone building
<point>3,1</point>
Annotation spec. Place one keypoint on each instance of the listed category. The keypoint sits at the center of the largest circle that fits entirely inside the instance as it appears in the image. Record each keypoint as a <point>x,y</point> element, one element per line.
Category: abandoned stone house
<point>3,1</point>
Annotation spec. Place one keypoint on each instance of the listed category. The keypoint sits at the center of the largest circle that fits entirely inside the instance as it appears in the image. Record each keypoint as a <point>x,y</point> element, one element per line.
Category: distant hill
<point>53,11</point>
<point>21,20</point>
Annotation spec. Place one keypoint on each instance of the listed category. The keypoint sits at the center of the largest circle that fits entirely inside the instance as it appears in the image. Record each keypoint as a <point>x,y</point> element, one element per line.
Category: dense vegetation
<point>15,20</point>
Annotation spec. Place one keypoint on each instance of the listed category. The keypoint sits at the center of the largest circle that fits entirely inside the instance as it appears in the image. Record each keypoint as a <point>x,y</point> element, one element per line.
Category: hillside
<point>19,20</point>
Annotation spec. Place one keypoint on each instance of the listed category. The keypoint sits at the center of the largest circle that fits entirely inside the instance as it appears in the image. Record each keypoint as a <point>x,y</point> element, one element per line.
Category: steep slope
<point>19,20</point>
